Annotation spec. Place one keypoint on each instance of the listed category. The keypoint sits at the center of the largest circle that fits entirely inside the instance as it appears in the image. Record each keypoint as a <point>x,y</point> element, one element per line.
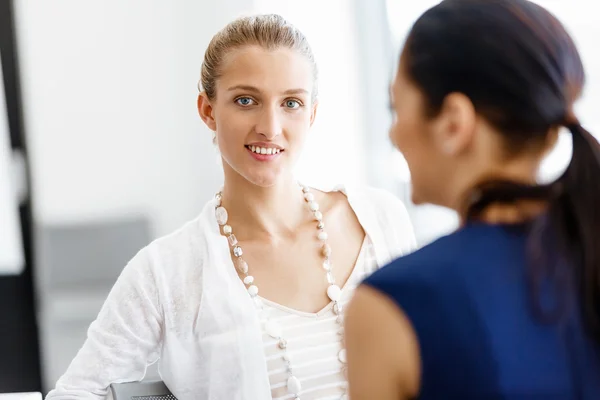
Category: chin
<point>263,176</point>
<point>417,198</point>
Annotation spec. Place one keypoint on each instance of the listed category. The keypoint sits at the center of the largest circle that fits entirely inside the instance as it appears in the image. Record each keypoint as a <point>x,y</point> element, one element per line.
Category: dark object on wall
<point>19,345</point>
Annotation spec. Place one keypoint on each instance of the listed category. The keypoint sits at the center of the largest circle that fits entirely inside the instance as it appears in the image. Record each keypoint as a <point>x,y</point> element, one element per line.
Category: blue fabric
<point>469,300</point>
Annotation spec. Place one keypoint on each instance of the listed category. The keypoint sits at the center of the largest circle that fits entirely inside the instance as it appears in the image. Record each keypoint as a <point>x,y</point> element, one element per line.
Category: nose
<point>269,124</point>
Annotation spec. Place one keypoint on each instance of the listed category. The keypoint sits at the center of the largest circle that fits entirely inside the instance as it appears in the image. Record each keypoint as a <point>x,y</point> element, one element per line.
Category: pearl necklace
<point>272,328</point>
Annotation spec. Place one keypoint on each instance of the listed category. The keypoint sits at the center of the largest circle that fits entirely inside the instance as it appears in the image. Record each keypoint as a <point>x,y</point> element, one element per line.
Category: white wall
<point>109,90</point>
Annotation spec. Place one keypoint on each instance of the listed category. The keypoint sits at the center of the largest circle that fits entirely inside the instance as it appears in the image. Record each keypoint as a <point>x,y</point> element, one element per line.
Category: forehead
<point>270,70</point>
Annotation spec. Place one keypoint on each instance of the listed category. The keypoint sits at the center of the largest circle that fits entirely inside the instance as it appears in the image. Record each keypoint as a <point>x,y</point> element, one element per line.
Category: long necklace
<point>272,328</point>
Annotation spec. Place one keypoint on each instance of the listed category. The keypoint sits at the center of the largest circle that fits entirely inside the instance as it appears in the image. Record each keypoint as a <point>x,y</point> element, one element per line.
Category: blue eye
<point>293,104</point>
<point>244,101</point>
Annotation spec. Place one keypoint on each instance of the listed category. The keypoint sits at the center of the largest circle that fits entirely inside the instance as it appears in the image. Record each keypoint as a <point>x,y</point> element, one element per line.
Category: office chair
<point>145,390</point>
<point>77,265</point>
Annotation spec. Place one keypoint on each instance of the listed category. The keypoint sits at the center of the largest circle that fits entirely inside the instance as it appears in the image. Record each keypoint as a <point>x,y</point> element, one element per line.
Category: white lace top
<point>180,301</point>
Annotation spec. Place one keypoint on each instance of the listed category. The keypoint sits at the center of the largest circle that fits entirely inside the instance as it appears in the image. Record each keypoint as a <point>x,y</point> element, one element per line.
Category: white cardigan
<point>180,301</point>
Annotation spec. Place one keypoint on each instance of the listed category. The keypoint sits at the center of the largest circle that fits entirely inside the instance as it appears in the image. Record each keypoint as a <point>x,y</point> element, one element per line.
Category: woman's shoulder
<point>422,280</point>
<point>455,257</point>
<point>360,196</point>
<point>383,215</point>
<point>181,249</point>
<point>421,265</point>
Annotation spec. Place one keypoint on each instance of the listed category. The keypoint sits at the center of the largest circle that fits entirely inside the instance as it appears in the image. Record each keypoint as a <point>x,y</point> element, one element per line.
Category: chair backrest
<point>145,390</point>
<point>89,254</point>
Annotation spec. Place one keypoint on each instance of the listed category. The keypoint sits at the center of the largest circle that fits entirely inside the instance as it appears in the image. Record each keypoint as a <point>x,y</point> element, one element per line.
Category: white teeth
<point>264,150</point>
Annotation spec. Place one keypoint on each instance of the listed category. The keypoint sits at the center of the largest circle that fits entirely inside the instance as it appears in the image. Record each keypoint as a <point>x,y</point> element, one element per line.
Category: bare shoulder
<point>383,350</point>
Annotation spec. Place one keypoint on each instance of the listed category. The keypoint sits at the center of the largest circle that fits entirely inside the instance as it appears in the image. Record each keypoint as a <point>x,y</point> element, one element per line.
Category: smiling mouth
<point>264,150</point>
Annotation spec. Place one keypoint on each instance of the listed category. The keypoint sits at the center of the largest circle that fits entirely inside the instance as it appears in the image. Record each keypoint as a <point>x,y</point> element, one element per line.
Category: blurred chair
<point>78,264</point>
<point>148,390</point>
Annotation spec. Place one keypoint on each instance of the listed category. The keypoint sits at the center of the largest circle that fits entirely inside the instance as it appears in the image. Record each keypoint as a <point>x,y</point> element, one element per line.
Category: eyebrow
<point>256,90</point>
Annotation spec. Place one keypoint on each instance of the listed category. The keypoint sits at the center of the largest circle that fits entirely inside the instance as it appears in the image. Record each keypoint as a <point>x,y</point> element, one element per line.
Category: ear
<point>313,114</point>
<point>454,127</point>
<point>205,110</point>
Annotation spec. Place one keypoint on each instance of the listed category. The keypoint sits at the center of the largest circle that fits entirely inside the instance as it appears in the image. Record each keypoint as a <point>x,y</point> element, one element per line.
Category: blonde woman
<point>247,300</point>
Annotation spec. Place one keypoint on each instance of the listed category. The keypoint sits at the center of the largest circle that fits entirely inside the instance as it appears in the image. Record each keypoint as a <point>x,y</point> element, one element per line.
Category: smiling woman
<point>258,313</point>
<point>265,98</point>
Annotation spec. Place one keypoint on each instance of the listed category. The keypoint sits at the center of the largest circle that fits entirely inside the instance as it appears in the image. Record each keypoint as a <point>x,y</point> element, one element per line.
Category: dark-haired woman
<point>507,307</point>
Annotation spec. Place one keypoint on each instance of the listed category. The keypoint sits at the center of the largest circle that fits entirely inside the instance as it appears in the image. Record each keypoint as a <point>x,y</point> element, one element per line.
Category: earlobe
<point>205,110</point>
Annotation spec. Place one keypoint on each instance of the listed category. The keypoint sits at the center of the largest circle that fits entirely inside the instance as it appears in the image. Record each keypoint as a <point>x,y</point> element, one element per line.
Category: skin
<point>264,96</point>
<point>448,155</point>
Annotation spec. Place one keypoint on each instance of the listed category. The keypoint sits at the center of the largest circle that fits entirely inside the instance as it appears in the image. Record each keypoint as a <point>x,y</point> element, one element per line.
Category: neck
<point>522,171</point>
<point>270,212</point>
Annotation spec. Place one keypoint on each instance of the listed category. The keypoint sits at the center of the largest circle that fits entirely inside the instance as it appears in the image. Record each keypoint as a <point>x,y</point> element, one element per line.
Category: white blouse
<point>313,341</point>
<point>181,302</point>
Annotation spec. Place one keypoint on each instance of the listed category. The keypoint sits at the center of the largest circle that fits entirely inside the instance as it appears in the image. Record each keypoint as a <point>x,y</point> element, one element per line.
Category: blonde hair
<point>269,31</point>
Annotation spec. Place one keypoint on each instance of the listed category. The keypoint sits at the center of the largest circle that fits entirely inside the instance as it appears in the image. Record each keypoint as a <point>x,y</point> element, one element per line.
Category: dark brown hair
<point>522,71</point>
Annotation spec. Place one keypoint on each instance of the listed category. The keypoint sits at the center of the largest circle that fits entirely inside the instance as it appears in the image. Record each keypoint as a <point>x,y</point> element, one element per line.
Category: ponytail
<point>571,227</point>
<point>574,217</point>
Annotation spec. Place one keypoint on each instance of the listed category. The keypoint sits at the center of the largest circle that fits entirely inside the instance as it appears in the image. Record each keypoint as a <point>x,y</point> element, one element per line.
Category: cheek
<point>409,136</point>
<point>295,128</point>
<point>404,133</point>
<point>298,121</point>
<point>233,127</point>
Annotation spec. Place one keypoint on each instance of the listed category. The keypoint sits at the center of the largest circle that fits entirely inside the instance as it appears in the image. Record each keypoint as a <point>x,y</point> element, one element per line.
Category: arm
<point>383,351</point>
<point>123,339</point>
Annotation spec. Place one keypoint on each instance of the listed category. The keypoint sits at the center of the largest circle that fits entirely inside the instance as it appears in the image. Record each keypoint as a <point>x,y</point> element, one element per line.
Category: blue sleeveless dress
<point>469,301</point>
